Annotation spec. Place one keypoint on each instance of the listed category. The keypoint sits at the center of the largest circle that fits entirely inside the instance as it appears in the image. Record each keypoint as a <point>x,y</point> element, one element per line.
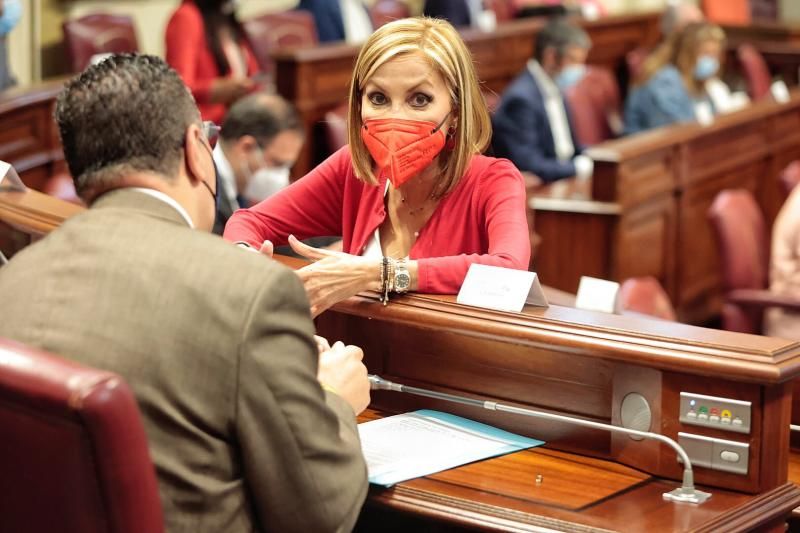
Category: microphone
<point>685,493</point>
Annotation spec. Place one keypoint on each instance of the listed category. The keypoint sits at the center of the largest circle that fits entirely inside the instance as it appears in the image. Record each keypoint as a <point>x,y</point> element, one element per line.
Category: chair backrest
<point>384,11</point>
<point>755,71</point>
<point>731,12</point>
<point>595,105</point>
<point>73,452</point>
<point>743,248</point>
<point>289,29</point>
<point>645,295</point>
<point>99,33</point>
<point>790,177</point>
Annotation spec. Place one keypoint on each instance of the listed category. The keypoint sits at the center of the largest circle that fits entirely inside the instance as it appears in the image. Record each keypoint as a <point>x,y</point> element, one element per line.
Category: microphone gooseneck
<point>686,493</point>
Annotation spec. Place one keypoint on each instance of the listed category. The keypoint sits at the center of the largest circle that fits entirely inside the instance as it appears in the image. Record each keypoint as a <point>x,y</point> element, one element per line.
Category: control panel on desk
<point>725,414</point>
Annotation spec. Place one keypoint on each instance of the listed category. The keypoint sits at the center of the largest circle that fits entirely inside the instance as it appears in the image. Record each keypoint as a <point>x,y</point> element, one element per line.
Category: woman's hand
<point>228,90</point>
<point>334,276</point>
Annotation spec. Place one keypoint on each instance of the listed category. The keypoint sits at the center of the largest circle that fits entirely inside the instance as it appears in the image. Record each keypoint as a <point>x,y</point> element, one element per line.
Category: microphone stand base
<point>686,495</point>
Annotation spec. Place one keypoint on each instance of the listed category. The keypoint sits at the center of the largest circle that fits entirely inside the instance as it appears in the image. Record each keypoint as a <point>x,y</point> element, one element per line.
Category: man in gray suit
<point>225,368</point>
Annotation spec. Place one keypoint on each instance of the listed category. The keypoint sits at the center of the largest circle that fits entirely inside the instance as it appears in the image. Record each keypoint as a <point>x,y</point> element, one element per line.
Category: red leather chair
<point>289,29</point>
<point>790,177</point>
<point>73,452</point>
<point>384,11</point>
<point>646,296</point>
<point>97,34</point>
<point>595,105</point>
<point>744,256</point>
<point>755,71</point>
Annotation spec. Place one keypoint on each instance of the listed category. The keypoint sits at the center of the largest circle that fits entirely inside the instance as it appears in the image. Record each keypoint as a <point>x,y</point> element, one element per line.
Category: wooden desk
<point>501,494</point>
<point>570,361</point>
<point>644,211</point>
<point>316,80</point>
<point>584,364</point>
<point>29,136</point>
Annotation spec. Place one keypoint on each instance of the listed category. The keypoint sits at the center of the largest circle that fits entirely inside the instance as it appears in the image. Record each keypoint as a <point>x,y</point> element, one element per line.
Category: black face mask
<point>214,195</point>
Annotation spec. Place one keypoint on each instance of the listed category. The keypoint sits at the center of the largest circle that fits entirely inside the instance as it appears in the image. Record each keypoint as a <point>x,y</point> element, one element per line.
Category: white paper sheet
<point>416,444</point>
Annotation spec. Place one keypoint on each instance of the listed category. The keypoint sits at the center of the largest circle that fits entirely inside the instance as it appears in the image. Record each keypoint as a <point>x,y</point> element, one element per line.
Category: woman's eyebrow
<point>420,83</point>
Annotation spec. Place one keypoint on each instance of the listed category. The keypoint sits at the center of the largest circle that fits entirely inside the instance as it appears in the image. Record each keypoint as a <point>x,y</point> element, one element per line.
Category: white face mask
<point>265,182</point>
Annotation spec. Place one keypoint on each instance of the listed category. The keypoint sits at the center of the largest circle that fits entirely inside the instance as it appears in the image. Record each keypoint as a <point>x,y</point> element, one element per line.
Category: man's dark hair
<point>262,116</point>
<point>560,34</point>
<point>127,114</point>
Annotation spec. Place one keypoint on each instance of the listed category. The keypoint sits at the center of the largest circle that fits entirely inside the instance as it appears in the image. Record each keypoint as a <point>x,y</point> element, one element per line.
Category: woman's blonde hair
<point>439,42</point>
<point>680,50</point>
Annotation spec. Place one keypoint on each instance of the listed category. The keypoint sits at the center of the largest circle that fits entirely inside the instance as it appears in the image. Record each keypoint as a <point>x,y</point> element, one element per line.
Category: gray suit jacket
<point>217,345</point>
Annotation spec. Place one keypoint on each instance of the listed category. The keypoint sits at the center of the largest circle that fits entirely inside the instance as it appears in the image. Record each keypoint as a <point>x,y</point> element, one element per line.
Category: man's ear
<point>193,148</point>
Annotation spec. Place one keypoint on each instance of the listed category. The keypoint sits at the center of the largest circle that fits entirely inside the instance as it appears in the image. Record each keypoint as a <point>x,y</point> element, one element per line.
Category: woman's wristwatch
<point>401,279</point>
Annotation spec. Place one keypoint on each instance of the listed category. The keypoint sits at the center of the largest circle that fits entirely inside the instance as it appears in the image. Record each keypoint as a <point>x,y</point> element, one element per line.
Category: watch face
<point>402,280</point>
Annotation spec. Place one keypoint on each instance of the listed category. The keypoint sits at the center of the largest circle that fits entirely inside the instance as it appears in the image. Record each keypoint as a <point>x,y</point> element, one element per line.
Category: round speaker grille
<point>635,413</point>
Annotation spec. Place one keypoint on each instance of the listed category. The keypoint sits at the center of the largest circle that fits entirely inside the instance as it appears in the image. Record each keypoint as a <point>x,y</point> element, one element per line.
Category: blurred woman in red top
<point>206,45</point>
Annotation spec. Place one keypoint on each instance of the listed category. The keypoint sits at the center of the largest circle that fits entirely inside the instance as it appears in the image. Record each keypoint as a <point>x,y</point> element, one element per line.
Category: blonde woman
<point>412,197</point>
<point>675,80</point>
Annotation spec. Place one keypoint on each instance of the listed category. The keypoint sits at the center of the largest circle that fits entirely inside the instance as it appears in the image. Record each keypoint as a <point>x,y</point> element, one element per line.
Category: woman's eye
<point>420,100</point>
<point>376,98</point>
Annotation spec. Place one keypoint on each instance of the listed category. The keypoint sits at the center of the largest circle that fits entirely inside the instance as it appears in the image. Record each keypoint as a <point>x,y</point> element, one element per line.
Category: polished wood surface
<point>644,210</point>
<point>317,80</point>
<point>576,493</point>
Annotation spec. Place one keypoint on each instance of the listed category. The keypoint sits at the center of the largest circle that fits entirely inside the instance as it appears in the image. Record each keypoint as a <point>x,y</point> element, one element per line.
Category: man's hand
<point>341,369</point>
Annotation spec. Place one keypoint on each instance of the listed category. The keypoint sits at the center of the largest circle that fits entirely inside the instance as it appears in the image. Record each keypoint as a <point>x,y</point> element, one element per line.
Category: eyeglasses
<point>211,131</point>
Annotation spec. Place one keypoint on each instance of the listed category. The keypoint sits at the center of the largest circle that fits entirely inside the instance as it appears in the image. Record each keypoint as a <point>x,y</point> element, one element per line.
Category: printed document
<point>402,447</point>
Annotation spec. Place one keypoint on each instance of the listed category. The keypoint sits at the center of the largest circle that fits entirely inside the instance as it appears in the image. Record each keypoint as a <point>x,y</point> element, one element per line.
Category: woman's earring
<point>450,143</point>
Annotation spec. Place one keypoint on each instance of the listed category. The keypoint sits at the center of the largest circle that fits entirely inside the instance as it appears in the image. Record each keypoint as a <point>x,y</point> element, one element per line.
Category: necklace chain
<point>413,211</point>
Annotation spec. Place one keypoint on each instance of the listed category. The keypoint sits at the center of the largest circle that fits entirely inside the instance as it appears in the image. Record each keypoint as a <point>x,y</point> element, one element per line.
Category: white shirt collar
<point>158,195</point>
<point>226,176</point>
<point>543,80</point>
<point>555,111</point>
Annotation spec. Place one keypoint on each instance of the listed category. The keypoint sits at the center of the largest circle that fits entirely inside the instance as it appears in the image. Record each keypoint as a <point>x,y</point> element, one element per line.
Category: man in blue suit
<point>457,12</point>
<point>339,20</point>
<point>532,125</point>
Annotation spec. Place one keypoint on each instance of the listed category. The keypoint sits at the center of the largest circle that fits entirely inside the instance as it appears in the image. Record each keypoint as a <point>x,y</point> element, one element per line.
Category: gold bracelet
<point>385,280</point>
<point>328,388</point>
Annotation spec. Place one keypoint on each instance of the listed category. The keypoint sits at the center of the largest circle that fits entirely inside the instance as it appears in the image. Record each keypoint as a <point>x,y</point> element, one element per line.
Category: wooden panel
<point>649,227</point>
<point>573,245</point>
<point>29,137</point>
<point>699,271</point>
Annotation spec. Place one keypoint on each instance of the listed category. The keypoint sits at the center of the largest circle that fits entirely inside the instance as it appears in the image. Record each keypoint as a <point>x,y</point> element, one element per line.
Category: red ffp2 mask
<point>402,148</point>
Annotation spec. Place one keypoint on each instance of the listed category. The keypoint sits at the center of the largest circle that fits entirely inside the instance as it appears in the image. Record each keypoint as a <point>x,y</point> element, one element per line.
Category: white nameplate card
<point>9,180</point>
<point>704,113</point>
<point>502,289</point>
<point>780,92</point>
<point>597,295</point>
